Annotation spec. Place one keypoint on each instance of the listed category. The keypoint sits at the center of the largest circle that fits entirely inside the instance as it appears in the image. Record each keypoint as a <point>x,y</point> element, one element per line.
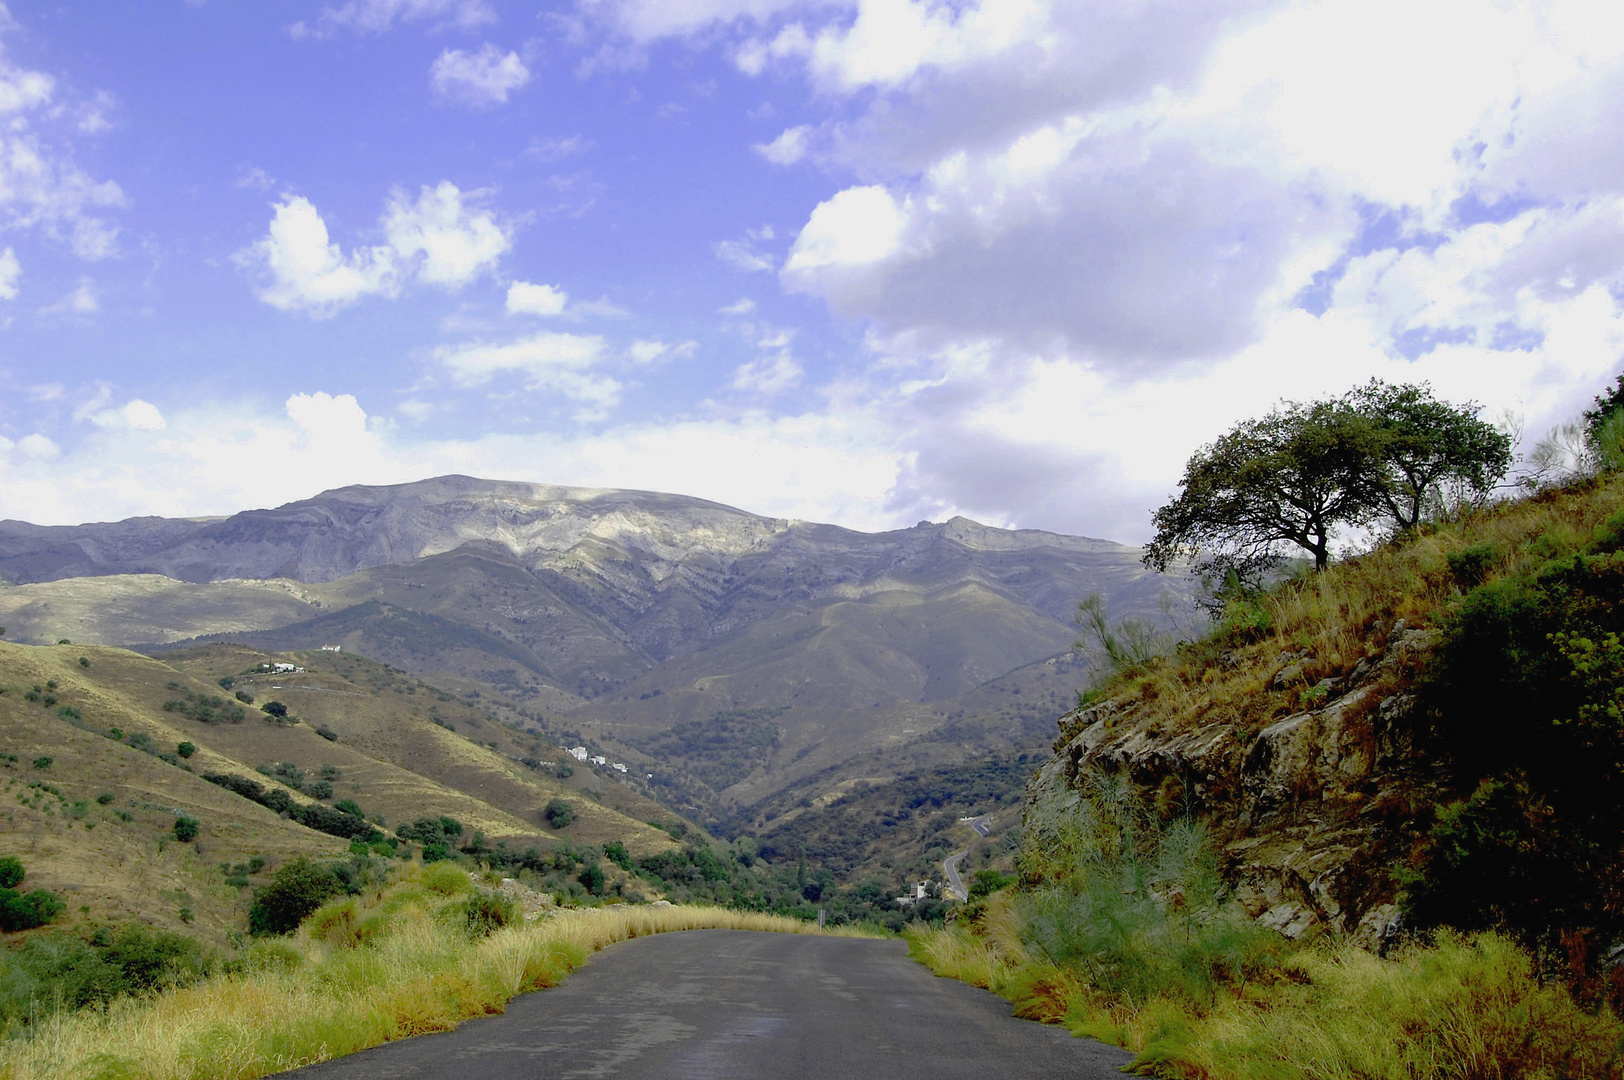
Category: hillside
<point>95,783</point>
<point>1360,740</point>
<point>625,621</point>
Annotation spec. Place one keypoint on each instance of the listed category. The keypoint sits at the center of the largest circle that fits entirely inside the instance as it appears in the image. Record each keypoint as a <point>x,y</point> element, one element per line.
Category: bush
<point>446,879</point>
<point>59,971</point>
<point>484,913</point>
<point>559,813</point>
<point>25,911</point>
<point>275,710</point>
<point>84,661</point>
<point>186,829</point>
<point>298,888</point>
<point>42,762</point>
<point>616,853</point>
<point>319,789</point>
<point>11,872</point>
<point>186,749</point>
<point>244,696</point>
<point>591,877</point>
<point>327,733</point>
<point>105,797</point>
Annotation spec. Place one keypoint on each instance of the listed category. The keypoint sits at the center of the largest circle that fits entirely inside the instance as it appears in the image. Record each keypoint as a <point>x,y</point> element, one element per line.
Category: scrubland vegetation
<point>421,954</point>
<point>1121,926</point>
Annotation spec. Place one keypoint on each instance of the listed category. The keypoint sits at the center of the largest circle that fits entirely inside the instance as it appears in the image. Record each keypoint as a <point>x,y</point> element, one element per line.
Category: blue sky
<point>867,262</point>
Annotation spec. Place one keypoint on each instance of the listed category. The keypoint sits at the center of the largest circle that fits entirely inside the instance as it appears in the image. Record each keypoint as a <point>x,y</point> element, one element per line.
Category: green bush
<point>616,853</point>
<point>105,797</point>
<point>25,911</point>
<point>84,661</point>
<point>11,872</point>
<point>186,749</point>
<point>592,878</point>
<point>298,888</point>
<point>1469,566</point>
<point>559,813</point>
<point>319,789</point>
<point>484,913</point>
<point>186,829</point>
<point>58,971</point>
<point>42,762</point>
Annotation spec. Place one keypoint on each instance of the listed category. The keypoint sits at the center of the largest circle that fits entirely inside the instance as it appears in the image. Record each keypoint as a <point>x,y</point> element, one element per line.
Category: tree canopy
<point>1296,475</point>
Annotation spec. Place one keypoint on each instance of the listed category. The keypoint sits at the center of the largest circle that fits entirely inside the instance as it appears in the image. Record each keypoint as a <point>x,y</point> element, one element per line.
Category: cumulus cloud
<point>436,239</point>
<point>81,301</point>
<point>523,298</point>
<point>11,271</point>
<point>377,16</point>
<point>744,254</point>
<point>480,78</point>
<point>136,414</point>
<point>653,352</point>
<point>789,147</point>
<point>547,360</point>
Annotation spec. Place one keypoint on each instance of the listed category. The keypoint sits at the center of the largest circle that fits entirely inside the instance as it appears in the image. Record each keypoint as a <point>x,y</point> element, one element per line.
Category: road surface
<point>982,825</point>
<point>738,1005</point>
<point>954,882</point>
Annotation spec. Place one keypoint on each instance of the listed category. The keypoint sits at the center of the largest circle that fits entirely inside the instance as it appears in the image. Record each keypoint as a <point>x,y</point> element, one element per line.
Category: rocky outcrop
<point>1313,812</point>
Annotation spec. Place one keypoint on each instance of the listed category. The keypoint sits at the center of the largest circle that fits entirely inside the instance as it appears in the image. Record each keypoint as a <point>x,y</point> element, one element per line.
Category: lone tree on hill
<point>1301,472</point>
<point>1422,444</point>
<point>1292,476</point>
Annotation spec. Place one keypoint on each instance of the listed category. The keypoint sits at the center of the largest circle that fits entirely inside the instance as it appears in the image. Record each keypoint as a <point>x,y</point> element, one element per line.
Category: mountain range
<point>742,664</point>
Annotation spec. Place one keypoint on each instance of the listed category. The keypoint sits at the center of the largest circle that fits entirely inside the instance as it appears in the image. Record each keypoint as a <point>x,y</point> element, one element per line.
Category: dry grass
<point>304,1000</point>
<point>1346,613</point>
<point>1463,1009</point>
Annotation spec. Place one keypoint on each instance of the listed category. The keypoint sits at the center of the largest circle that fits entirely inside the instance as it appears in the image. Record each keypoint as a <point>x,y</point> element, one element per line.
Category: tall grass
<point>305,999</point>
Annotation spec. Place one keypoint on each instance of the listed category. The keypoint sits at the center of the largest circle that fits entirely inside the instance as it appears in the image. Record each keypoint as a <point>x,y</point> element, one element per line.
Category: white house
<point>578,753</point>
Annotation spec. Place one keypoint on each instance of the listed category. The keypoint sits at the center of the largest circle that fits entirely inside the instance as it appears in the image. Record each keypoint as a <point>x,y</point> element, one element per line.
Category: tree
<point>559,812</point>
<point>186,829</point>
<point>298,888</point>
<point>1608,404</point>
<point>1292,476</point>
<point>1423,443</point>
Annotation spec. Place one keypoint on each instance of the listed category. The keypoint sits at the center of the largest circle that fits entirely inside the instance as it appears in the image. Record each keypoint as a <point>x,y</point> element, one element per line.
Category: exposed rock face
<point>1312,813</point>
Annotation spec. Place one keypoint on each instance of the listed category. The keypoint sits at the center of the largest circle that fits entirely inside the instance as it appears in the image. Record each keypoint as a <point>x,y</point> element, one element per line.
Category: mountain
<point>102,749</point>
<point>638,623</point>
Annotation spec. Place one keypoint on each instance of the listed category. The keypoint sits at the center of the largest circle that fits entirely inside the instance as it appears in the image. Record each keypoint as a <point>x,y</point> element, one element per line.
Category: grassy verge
<point>1464,1007</point>
<point>361,972</point>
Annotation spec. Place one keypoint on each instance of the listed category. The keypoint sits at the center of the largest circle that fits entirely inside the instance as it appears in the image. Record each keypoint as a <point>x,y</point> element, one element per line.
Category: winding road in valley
<point>739,1005</point>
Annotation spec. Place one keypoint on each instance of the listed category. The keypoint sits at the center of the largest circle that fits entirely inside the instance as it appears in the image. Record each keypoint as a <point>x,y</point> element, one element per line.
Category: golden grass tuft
<point>305,1000</point>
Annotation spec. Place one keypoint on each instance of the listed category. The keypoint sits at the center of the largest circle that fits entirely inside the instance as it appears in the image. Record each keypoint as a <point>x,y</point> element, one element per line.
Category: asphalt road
<point>954,882</point>
<point>725,1004</point>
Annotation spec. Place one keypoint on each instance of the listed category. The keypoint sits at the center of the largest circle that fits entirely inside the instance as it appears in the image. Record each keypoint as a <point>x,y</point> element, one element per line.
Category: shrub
<point>591,877</point>
<point>319,789</point>
<point>298,888</point>
<point>84,661</point>
<point>105,797</point>
<point>484,913</point>
<point>186,749</point>
<point>616,853</point>
<point>186,829</point>
<point>559,813</point>
<point>446,879</point>
<point>42,762</point>
<point>327,733</point>
<point>275,710</point>
<point>11,872</point>
<point>244,696</point>
<point>25,911</point>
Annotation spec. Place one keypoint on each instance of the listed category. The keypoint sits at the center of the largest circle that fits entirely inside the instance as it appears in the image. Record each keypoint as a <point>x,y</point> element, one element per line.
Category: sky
<point>869,262</point>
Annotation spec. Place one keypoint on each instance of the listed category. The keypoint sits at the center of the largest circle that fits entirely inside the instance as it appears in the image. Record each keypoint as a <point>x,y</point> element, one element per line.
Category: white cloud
<point>523,298</point>
<point>136,414</point>
<point>650,352</point>
<point>480,78</point>
<point>377,16</point>
<point>547,360</point>
<point>743,253</point>
<point>436,240</point>
<point>38,447</point>
<point>789,147</point>
<point>10,272</point>
<point>308,272</point>
<point>81,301</point>
<point>742,306</point>
<point>768,374</point>
<point>456,244</point>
